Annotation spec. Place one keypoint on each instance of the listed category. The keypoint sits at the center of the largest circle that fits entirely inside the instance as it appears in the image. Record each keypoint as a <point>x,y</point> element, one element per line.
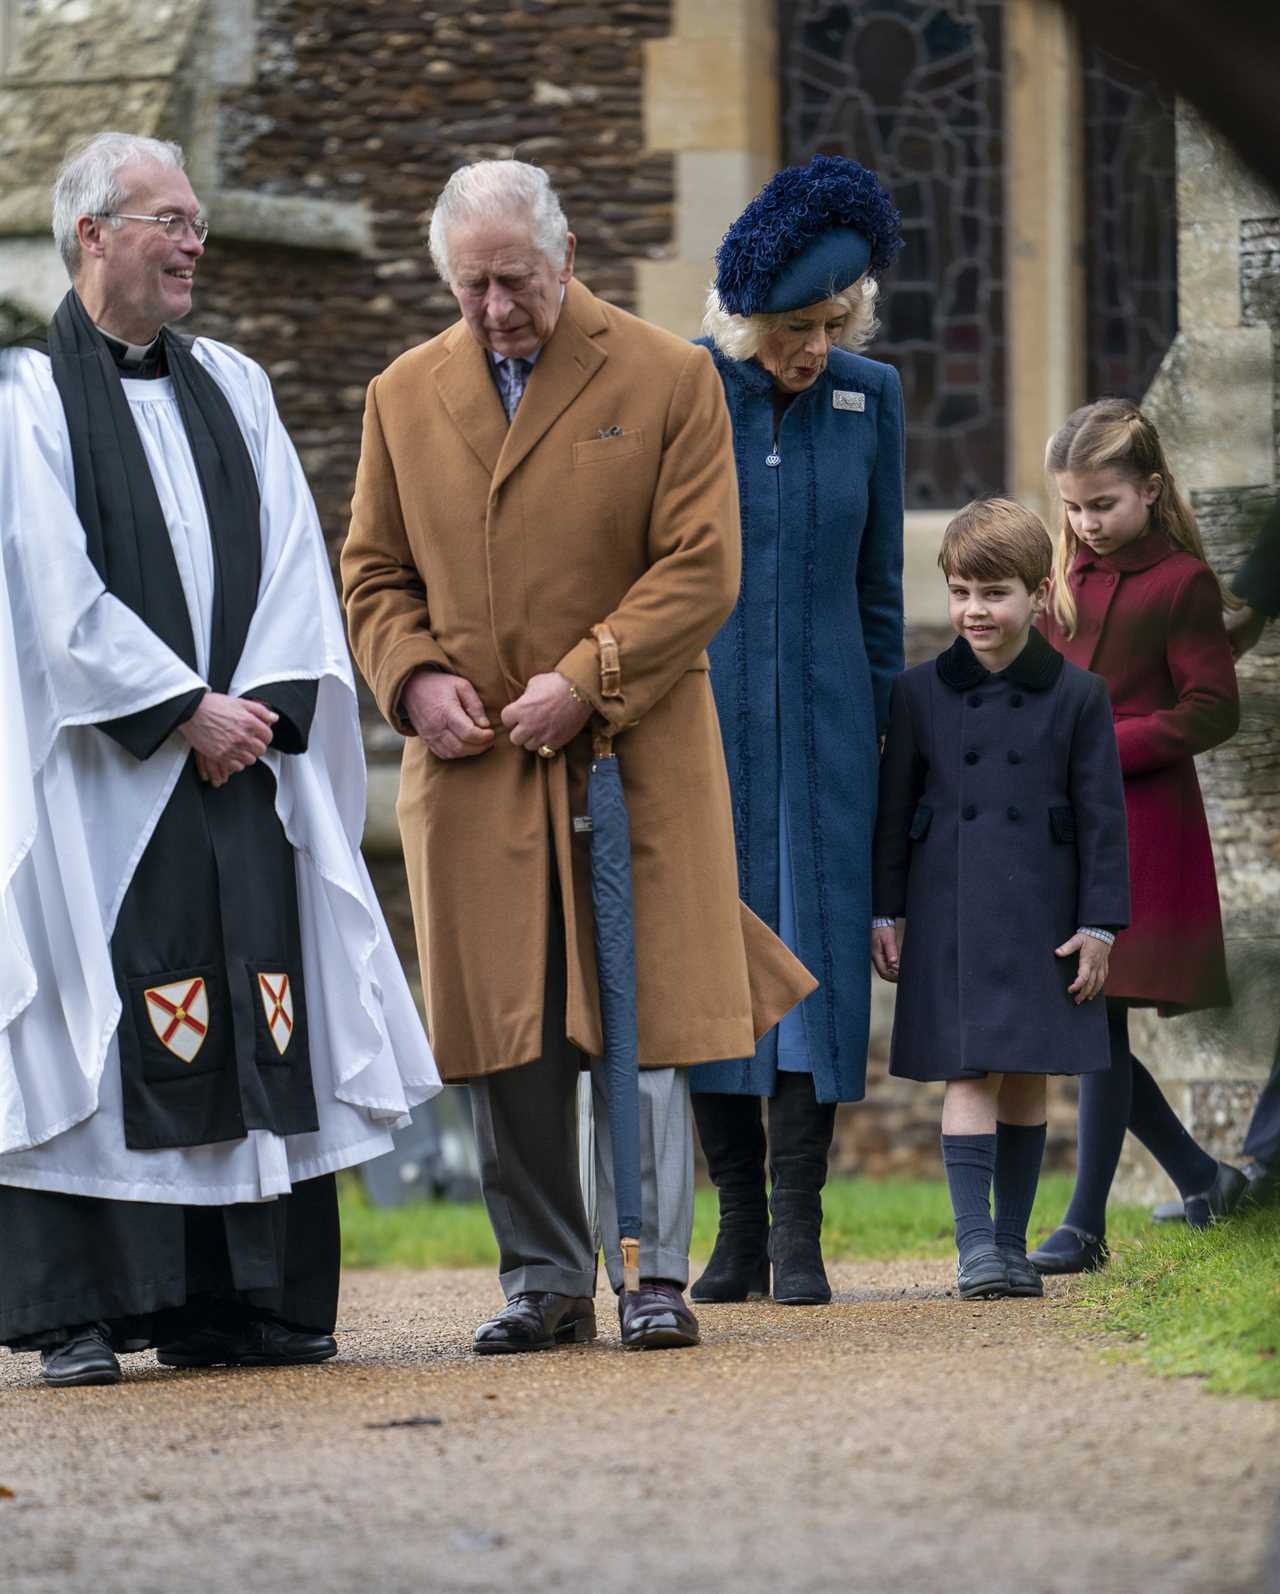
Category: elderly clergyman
<point>201,1014</point>
<point>545,533</point>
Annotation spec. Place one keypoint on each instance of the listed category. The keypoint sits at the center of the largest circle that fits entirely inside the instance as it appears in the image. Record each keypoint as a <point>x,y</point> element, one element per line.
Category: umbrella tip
<point>630,1265</point>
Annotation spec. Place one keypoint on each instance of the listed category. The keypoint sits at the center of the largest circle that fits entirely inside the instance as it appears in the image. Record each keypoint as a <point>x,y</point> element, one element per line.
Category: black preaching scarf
<point>125,532</point>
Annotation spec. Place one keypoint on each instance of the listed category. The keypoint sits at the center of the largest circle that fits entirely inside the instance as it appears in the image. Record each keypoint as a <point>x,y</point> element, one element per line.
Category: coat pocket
<point>608,450</point>
<point>920,822</point>
<point>279,1013</point>
<point>1062,825</point>
<point>181,1023</point>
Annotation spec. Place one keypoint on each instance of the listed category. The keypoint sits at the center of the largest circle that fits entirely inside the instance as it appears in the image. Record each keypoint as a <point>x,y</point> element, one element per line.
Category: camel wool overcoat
<point>492,552</point>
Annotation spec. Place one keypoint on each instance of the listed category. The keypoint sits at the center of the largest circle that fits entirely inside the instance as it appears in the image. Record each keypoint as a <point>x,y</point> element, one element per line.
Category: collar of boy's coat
<point>1035,669</point>
<point>1148,550</point>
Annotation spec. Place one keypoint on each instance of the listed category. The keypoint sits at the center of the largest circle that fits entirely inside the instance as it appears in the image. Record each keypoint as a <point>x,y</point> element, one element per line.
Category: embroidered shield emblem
<point>179,1014</point>
<point>277,1004</point>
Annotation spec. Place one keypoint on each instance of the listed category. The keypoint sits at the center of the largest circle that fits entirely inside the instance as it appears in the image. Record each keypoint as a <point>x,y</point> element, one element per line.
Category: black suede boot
<point>732,1137</point>
<point>800,1128</point>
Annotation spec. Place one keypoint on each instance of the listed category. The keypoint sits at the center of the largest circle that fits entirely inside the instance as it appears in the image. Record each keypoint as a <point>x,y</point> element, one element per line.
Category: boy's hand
<point>1092,975</point>
<point>884,954</point>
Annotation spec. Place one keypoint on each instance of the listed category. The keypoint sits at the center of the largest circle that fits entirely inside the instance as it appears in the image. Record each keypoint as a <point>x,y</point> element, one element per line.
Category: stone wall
<point>377,102</point>
<point>1215,401</point>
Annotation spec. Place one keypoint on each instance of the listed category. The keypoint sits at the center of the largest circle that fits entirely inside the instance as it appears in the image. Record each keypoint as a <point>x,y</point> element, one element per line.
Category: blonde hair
<point>994,538</point>
<point>1114,434</point>
<point>740,337</point>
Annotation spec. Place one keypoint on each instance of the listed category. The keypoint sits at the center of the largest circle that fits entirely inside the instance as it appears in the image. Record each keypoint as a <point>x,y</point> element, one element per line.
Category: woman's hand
<point>884,953</point>
<point>1092,975</point>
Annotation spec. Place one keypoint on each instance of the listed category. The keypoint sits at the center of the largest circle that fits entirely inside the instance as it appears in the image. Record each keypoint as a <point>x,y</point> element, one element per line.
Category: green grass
<point>1198,1305</point>
<point>865,1219</point>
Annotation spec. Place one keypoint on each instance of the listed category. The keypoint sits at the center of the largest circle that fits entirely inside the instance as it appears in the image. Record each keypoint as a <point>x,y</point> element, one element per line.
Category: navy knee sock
<point>1161,1131</point>
<point>1019,1153</point>
<point>970,1163</point>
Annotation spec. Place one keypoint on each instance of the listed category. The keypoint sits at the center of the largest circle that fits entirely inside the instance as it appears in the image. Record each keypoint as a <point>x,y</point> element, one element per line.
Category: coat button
<point>969,812</point>
<point>1014,813</point>
<point>1016,700</point>
<point>975,701</point>
<point>971,757</point>
<point>1015,758</point>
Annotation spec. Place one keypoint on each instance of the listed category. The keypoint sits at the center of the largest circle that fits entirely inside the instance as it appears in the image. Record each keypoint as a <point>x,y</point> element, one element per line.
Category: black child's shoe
<point>84,1357</point>
<point>1070,1250</point>
<point>982,1275</point>
<point>1024,1279</point>
<point>1220,1200</point>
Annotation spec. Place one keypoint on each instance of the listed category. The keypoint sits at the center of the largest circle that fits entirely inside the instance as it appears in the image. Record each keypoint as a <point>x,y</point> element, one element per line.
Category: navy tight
<point>1121,1098</point>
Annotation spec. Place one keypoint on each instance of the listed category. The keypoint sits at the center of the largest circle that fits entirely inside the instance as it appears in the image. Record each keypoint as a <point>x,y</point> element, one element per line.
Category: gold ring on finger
<point>546,752</point>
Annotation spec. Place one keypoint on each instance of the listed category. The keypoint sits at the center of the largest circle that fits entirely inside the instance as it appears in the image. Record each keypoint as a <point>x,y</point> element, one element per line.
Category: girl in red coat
<point>1135,602</point>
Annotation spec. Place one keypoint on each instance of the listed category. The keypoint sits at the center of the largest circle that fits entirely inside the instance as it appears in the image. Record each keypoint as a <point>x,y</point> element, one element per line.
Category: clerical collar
<point>145,360</point>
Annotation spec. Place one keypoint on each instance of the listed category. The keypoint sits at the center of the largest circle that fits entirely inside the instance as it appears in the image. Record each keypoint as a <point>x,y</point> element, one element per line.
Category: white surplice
<point>79,810</point>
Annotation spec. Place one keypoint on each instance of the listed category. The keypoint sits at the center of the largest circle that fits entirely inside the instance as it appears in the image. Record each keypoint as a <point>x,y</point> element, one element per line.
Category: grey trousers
<point>526,1126</point>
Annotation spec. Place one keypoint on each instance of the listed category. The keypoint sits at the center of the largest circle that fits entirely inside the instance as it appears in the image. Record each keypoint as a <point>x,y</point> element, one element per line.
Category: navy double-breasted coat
<point>1001,831</point>
<point>801,674</point>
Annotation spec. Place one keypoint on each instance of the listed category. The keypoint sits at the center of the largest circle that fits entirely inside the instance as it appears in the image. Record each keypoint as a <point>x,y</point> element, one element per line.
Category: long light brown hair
<point>1114,434</point>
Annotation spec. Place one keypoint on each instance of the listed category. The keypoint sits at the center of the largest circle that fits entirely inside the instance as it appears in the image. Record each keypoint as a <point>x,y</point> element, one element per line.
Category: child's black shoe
<point>982,1275</point>
<point>1070,1250</point>
<point>1023,1276</point>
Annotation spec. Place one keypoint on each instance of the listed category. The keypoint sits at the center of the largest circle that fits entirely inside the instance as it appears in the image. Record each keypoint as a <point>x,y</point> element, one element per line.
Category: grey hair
<point>492,191</point>
<point>739,337</point>
<point>88,182</point>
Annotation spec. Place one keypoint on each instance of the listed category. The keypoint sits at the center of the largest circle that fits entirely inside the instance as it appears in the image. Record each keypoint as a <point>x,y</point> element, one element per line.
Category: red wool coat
<point>1150,623</point>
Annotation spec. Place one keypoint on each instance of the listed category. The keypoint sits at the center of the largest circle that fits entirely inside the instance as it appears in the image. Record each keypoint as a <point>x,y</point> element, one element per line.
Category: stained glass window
<point>1131,231</point>
<point>913,90</point>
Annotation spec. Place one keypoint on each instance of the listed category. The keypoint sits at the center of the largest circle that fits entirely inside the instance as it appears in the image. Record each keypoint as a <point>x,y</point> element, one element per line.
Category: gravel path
<point>898,1440</point>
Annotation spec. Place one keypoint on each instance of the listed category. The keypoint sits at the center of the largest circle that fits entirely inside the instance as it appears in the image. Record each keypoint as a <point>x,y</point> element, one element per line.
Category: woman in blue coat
<point>801,676</point>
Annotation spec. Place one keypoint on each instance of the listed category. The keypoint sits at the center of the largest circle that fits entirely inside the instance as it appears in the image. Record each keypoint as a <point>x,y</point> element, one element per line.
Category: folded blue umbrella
<point>614,910</point>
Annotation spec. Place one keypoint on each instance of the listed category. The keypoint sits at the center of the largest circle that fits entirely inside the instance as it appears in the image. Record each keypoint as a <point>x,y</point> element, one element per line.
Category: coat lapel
<point>567,363</point>
<point>468,393</point>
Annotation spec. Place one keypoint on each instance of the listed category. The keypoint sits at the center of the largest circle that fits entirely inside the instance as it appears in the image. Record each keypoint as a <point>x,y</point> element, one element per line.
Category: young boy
<point>1000,839</point>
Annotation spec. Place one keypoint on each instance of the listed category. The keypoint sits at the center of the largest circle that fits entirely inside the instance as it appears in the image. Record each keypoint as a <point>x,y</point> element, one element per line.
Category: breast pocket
<point>608,450</point>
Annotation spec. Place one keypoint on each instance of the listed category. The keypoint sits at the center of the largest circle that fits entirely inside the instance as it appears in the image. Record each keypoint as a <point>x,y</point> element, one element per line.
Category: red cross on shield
<point>277,1004</point>
<point>179,1014</point>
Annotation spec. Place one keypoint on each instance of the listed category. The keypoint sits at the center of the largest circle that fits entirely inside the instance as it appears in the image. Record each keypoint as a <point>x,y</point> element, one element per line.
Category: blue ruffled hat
<point>808,233</point>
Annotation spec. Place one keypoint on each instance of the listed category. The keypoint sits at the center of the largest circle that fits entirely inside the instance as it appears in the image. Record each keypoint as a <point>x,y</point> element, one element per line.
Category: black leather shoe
<point>84,1358</point>
<point>1264,1182</point>
<point>656,1317</point>
<point>263,1343</point>
<point>1171,1211</point>
<point>982,1276</point>
<point>1081,1252</point>
<point>537,1320</point>
<point>1220,1200</point>
<point>737,1271</point>
<point>1023,1277</point>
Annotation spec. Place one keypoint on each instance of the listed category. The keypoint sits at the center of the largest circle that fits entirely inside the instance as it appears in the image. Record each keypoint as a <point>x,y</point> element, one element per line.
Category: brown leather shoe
<point>656,1317</point>
<point>537,1320</point>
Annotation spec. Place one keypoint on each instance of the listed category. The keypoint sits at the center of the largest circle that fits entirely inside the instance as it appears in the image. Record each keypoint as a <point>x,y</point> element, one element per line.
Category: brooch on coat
<point>841,400</point>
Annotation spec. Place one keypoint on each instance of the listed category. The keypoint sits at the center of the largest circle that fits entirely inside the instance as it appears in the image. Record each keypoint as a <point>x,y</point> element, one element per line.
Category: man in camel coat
<point>545,534</point>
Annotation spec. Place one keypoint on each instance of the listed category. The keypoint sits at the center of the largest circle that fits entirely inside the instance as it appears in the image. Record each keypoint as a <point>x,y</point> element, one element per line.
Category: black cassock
<point>207,947</point>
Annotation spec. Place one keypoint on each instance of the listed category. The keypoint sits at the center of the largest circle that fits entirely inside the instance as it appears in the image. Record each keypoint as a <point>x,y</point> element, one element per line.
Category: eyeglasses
<point>175,227</point>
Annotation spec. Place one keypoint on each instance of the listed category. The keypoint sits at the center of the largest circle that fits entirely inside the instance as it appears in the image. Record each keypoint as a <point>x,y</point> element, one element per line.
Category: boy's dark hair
<point>994,538</point>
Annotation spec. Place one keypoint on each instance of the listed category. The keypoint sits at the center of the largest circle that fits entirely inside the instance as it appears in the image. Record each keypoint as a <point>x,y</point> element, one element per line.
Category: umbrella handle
<point>630,1265</point>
